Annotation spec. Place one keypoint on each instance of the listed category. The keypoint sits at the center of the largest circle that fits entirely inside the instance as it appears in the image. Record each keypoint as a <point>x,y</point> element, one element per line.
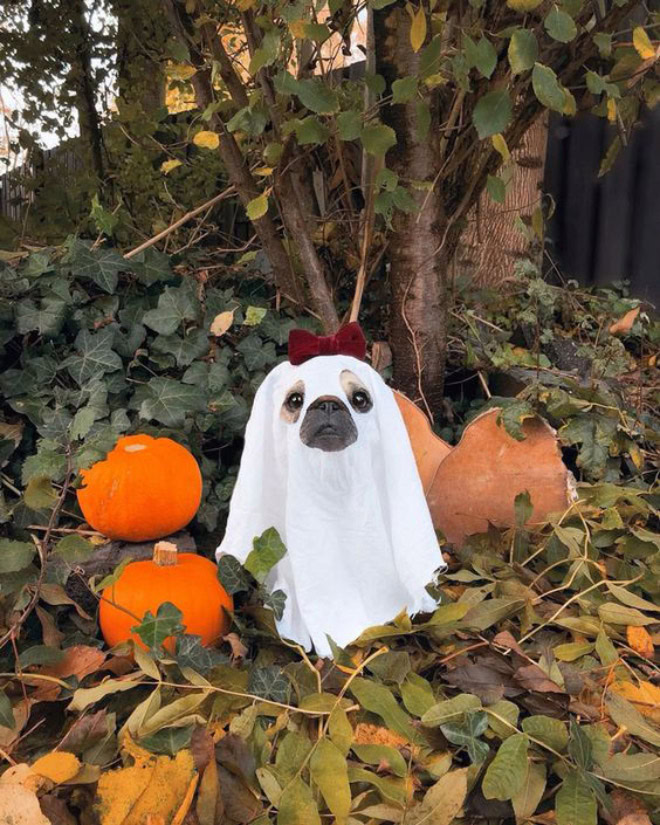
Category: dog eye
<point>295,401</point>
<point>361,401</point>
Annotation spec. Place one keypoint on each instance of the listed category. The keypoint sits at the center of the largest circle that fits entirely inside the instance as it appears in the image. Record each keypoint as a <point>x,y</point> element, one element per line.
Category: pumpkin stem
<point>165,553</point>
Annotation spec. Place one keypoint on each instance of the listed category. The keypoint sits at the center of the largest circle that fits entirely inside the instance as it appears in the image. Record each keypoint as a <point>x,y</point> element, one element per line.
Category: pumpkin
<point>145,488</point>
<point>187,580</point>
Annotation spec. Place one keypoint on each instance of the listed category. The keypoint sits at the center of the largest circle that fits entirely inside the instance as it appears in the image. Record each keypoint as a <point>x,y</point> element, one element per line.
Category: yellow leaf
<point>206,140</point>
<point>244,5</point>
<point>222,322</point>
<point>168,165</point>
<point>624,324</point>
<point>537,222</point>
<point>640,640</point>
<point>645,697</point>
<point>257,207</point>
<point>642,43</point>
<point>499,144</point>
<point>298,29</point>
<point>523,5</point>
<point>418,29</point>
<point>570,106</point>
<point>180,815</point>
<point>58,766</point>
<point>611,110</point>
<point>160,788</point>
<point>264,171</point>
<point>180,71</point>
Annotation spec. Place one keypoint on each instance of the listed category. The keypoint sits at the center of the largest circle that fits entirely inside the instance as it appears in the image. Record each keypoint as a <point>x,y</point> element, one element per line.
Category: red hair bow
<point>349,340</point>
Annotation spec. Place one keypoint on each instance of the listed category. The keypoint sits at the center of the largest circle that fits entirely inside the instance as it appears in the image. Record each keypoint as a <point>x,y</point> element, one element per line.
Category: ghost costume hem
<point>360,542</point>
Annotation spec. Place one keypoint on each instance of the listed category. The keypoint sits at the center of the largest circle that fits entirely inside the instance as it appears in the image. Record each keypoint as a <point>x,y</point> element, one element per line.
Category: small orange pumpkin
<point>145,488</point>
<point>188,581</point>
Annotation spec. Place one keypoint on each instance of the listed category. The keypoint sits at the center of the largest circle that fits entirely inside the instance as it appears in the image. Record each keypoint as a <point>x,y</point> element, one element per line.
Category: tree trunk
<point>418,249</point>
<point>491,242</point>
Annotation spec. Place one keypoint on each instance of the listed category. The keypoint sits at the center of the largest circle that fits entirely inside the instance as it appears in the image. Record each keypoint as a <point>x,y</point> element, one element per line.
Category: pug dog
<point>327,462</point>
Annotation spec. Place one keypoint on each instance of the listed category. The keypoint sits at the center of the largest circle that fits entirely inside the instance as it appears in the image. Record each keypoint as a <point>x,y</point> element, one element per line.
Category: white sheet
<point>360,541</point>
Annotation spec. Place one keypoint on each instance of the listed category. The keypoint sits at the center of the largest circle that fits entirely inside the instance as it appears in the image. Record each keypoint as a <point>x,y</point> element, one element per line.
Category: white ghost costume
<point>360,542</point>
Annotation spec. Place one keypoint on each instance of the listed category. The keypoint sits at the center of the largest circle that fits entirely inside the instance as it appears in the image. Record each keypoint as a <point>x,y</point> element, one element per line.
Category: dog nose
<point>329,405</point>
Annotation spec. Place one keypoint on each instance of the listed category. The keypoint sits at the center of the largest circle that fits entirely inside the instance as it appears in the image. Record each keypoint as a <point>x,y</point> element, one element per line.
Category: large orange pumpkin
<point>188,581</point>
<point>145,488</point>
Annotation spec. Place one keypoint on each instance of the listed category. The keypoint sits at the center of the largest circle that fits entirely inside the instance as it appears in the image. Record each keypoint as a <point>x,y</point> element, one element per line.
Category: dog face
<point>328,423</point>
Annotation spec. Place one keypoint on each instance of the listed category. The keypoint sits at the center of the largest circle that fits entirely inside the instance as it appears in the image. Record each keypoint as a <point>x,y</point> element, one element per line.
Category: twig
<point>174,226</point>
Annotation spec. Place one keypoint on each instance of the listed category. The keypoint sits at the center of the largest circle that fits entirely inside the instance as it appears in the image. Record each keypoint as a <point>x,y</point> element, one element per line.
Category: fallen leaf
<point>644,696</point>
<point>366,734</point>
<point>78,661</point>
<point>58,766</point>
<point>222,322</point>
<point>640,640</point>
<point>238,649</point>
<point>20,806</point>
<point>627,809</point>
<point>533,678</point>
<point>625,322</point>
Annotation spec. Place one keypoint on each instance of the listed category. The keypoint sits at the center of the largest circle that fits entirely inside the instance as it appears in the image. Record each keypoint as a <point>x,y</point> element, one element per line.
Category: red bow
<point>349,340</point>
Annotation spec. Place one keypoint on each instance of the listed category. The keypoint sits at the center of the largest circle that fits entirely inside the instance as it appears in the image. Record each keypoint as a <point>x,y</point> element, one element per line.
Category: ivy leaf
<point>95,356</point>
<point>168,740</point>
<point>47,318</point>
<point>575,801</point>
<point>175,305</point>
<point>560,25</point>
<point>377,138</point>
<point>276,601</point>
<point>546,88</point>
<point>466,734</point>
<point>507,773</point>
<point>102,266</point>
<point>256,353</point>
<point>523,50</point>
<point>168,401</point>
<point>15,555</point>
<point>231,575</point>
<point>155,629</point>
<point>268,549</point>
<point>190,652</point>
<point>151,266</point>
<point>492,113</point>
<point>269,683</point>
<point>185,348</point>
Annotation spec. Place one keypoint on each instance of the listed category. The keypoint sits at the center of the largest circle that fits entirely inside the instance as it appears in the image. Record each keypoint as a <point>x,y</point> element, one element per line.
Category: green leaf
<point>560,26</point>
<point>575,801</point>
<point>267,550</point>
<point>404,90</point>
<point>546,88</point>
<point>254,316</point>
<point>417,694</point>
<point>614,613</point>
<point>95,356</point>
<point>572,651</point>
<point>526,800</point>
<point>317,96</point>
<point>175,305</point>
<point>153,630</point>
<point>102,266</point>
<point>492,113</point>
<point>603,41</point>
<point>40,655</point>
<point>168,401</point>
<point>523,51</point>
<point>276,601</point>
<point>329,771</point>
<point>552,732</point>
<point>378,138</point>
<point>152,266</point>
<point>605,649</point>
<point>487,613</point>
<point>349,124</point>
<point>6,715</point>
<point>392,666</point>
<point>378,699</point>
<point>579,747</point>
<point>381,754</point>
<point>74,549</point>
<point>627,715</point>
<point>15,555</point>
<point>168,740</point>
<point>47,318</point>
<point>442,802</point>
<point>184,348</point>
<point>523,508</point>
<point>452,709</point>
<point>508,712</point>
<point>267,53</point>
<point>340,729</point>
<point>393,790</point>
<point>467,733</point>
<point>257,207</point>
<point>297,806</point>
<point>270,683</point>
<point>507,773</point>
<point>291,754</point>
<point>496,188</point>
<point>231,575</point>
<point>635,767</point>
<point>481,55</point>
<point>311,130</point>
<point>190,652</point>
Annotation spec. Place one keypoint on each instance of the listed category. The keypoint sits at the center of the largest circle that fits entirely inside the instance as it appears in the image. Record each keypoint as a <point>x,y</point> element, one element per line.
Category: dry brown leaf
<point>627,810</point>
<point>22,774</point>
<point>51,635</point>
<point>78,661</point>
<point>21,712</point>
<point>222,322</point>
<point>478,481</point>
<point>209,807</point>
<point>640,640</point>
<point>645,697</point>
<point>624,324</point>
<point>20,806</point>
<point>58,766</point>
<point>238,649</point>
<point>160,788</point>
